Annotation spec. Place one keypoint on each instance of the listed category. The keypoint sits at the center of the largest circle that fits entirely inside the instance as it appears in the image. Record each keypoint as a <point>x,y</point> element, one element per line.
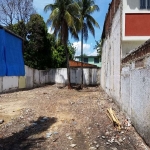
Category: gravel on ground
<point>52,118</point>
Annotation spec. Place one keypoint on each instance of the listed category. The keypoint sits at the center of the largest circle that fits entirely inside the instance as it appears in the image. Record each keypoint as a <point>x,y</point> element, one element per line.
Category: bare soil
<point>49,118</point>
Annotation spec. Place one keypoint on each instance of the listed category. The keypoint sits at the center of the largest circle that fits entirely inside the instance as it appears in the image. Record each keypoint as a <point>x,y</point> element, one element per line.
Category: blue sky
<point>99,17</point>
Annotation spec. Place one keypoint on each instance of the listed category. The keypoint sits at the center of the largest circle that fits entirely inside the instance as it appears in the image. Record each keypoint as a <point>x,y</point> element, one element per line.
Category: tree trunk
<point>82,59</point>
<point>68,67</point>
<point>64,39</point>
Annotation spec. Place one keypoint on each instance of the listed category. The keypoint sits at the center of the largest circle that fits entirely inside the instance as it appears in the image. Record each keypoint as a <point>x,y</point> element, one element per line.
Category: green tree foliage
<point>19,29</point>
<point>41,49</point>
<point>59,55</point>
<point>63,18</point>
<point>36,43</point>
<point>98,47</point>
<point>71,50</point>
<point>37,53</point>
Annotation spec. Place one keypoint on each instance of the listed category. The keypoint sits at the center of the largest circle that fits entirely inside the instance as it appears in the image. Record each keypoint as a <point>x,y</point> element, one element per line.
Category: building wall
<point>34,78</point>
<point>22,82</point>
<point>1,84</point>
<point>10,83</point>
<point>135,89</point>
<point>128,82</point>
<point>90,61</point>
<point>133,34</point>
<point>133,8</point>
<point>29,77</point>
<point>137,24</point>
<point>110,71</point>
<point>127,46</point>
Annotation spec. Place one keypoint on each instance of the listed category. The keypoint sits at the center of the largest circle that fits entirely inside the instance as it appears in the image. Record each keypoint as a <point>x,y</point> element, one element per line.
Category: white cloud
<point>86,48</point>
<point>94,53</point>
<point>50,30</point>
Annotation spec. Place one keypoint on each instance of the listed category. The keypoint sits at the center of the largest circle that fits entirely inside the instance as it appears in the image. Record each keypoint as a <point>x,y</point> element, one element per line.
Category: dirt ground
<point>50,118</point>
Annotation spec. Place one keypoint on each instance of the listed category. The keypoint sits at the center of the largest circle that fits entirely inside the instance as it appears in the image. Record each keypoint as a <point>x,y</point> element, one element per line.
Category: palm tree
<point>87,7</point>
<point>63,18</point>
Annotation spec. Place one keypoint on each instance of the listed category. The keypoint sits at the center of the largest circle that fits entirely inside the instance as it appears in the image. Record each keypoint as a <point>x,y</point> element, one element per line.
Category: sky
<point>88,47</point>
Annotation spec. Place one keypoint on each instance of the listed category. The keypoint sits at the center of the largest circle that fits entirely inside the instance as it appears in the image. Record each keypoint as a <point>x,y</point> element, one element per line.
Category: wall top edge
<point>138,53</point>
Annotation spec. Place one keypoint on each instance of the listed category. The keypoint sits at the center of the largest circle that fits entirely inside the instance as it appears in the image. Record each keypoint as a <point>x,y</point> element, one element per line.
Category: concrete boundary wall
<point>35,78</point>
<point>127,81</point>
<point>135,89</point>
<point>111,62</point>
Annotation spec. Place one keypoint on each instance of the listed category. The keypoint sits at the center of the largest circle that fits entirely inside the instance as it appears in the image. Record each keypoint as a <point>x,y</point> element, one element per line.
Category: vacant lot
<point>49,118</point>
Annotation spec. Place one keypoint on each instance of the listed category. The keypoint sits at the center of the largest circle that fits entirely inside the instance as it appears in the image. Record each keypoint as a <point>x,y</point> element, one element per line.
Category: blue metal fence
<point>11,58</point>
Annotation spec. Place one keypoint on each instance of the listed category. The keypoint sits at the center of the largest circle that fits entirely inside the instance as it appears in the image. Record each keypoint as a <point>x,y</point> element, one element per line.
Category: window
<point>86,60</point>
<point>96,60</point>
<point>144,4</point>
<point>148,4</point>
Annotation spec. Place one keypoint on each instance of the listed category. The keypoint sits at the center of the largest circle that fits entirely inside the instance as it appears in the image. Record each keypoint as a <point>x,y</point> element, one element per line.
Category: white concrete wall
<point>43,75</point>
<point>110,71</point>
<point>34,78</point>
<point>1,84</point>
<point>129,86</point>
<point>93,75</point>
<point>62,73</point>
<point>10,83</point>
<point>135,96</point>
<point>74,76</point>
<point>29,77</point>
<point>125,90</point>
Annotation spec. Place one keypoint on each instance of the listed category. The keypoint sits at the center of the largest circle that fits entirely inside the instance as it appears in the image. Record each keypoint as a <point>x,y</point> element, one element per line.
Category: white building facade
<point>135,24</point>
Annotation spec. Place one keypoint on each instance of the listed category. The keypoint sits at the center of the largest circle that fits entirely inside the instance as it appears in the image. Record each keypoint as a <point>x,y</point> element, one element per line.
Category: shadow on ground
<point>85,88</point>
<point>23,140</point>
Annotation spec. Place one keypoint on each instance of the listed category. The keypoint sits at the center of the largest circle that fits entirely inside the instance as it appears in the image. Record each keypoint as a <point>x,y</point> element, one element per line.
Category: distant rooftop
<point>77,64</point>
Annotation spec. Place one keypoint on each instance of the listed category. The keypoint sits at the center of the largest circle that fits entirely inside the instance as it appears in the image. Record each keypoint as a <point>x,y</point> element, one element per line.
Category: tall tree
<point>87,8</point>
<point>14,11</point>
<point>63,18</point>
<point>38,50</point>
<point>19,29</point>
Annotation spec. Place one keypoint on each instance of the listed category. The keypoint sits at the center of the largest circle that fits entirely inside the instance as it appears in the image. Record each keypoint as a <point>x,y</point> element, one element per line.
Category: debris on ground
<point>113,118</point>
<point>73,145</point>
<point>51,118</point>
<point>1,121</point>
